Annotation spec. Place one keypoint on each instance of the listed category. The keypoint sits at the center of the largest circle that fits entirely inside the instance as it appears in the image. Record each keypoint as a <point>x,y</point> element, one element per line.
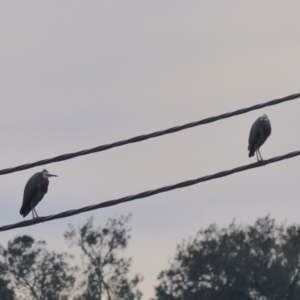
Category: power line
<point>147,193</point>
<point>147,136</point>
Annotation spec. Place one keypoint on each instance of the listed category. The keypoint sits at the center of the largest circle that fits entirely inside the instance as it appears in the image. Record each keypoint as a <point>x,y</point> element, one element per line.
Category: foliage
<point>28,270</point>
<point>105,273</point>
<point>35,272</point>
<point>259,262</point>
<point>6,292</point>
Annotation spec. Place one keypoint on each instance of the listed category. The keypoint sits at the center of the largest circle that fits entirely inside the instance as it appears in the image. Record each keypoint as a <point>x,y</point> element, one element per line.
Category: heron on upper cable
<point>35,189</point>
<point>260,131</point>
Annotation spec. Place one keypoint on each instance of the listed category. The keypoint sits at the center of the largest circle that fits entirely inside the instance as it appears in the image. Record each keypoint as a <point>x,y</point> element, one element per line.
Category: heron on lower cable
<point>35,189</point>
<point>260,131</point>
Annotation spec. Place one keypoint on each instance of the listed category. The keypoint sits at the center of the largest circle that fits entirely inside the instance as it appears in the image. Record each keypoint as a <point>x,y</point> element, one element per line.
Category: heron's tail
<point>23,212</point>
<point>251,152</point>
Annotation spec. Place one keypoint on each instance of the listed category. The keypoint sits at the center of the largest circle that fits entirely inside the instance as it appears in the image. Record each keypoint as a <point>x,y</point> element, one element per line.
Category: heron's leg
<point>257,155</point>
<point>32,210</point>
<point>36,213</point>
<point>261,157</point>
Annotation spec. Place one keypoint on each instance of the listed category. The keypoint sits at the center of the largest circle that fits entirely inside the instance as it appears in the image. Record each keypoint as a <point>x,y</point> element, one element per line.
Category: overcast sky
<point>78,74</point>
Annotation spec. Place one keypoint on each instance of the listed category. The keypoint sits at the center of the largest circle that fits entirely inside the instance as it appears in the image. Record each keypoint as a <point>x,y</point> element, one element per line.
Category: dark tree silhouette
<point>259,262</point>
<point>35,272</point>
<point>6,293</point>
<point>105,274</point>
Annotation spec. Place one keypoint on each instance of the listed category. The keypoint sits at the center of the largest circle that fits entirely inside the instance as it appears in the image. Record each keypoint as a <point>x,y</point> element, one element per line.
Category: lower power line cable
<point>148,193</point>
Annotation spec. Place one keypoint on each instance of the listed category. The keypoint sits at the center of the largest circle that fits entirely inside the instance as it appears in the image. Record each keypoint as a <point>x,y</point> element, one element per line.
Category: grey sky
<point>77,74</point>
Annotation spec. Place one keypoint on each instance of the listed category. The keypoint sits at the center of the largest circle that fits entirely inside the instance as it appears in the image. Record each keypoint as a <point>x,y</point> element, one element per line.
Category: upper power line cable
<point>148,193</point>
<point>148,136</point>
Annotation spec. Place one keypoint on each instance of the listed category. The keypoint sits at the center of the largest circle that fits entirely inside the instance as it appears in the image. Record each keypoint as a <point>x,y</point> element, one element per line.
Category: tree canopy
<point>35,272</point>
<point>6,292</point>
<point>105,272</point>
<point>29,270</point>
<point>259,262</point>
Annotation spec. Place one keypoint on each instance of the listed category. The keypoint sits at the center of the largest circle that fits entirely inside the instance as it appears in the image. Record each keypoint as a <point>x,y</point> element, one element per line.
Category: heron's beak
<point>51,175</point>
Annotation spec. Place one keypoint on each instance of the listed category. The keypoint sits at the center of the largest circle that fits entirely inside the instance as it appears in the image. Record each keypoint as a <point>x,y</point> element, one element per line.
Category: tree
<point>259,262</point>
<point>36,272</point>
<point>105,273</point>
<point>6,292</point>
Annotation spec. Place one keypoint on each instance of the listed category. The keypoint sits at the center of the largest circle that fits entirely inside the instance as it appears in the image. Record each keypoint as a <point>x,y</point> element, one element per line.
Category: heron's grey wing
<point>30,191</point>
<point>254,134</point>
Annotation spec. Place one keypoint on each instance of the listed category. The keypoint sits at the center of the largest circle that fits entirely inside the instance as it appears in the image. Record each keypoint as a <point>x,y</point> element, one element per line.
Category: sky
<point>79,74</point>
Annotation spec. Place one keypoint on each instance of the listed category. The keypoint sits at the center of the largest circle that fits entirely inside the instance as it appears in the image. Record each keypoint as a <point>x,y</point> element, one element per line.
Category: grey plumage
<point>260,131</point>
<point>35,189</point>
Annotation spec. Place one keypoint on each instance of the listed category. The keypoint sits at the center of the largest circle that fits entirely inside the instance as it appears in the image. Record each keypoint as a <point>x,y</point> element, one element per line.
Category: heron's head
<point>264,118</point>
<point>46,174</point>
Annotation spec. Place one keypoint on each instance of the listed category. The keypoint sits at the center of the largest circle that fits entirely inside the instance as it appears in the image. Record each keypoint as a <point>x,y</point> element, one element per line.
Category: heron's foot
<point>260,160</point>
<point>38,218</point>
<point>263,162</point>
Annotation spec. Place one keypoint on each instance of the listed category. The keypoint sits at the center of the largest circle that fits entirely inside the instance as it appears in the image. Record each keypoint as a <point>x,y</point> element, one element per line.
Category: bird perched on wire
<point>35,189</point>
<point>260,131</point>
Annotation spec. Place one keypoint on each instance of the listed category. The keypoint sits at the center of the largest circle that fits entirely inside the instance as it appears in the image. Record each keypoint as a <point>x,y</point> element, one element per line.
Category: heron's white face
<point>46,174</point>
<point>264,117</point>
